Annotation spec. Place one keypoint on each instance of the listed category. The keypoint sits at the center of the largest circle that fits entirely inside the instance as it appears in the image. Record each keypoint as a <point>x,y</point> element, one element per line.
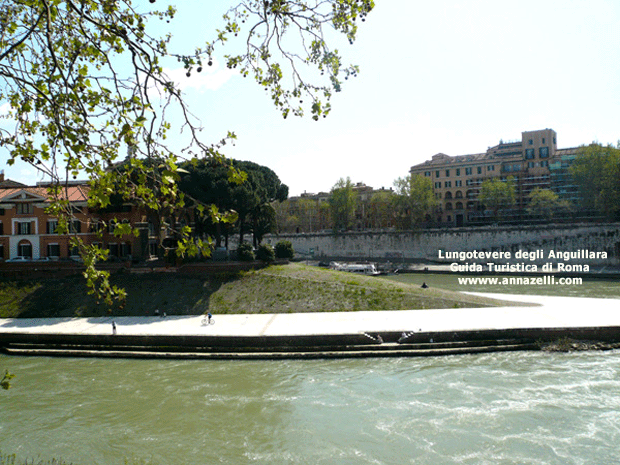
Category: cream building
<point>534,161</point>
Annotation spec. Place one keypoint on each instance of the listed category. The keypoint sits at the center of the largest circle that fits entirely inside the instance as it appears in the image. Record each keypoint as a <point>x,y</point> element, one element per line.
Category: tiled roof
<point>72,193</point>
<point>443,159</point>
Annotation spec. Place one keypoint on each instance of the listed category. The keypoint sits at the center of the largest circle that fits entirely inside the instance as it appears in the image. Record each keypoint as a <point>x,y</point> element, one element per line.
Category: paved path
<point>545,312</point>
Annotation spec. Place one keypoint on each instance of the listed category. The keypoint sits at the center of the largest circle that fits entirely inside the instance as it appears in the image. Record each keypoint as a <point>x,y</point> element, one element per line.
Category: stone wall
<point>424,246</point>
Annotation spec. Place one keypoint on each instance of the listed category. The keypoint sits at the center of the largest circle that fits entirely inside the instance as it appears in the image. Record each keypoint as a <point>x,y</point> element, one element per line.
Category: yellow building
<point>457,179</point>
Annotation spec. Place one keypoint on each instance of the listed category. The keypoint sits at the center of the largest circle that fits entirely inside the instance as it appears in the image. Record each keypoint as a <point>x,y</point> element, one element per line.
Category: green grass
<point>277,289</point>
<point>298,288</point>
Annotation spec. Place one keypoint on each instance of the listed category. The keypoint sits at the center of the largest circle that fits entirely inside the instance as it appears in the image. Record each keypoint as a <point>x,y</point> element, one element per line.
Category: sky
<point>449,76</point>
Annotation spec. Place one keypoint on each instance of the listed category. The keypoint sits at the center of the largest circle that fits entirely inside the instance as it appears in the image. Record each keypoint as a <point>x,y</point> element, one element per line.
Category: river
<point>501,408</point>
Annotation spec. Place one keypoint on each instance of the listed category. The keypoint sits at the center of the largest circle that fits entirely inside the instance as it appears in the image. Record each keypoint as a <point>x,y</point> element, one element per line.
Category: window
<point>24,250</point>
<point>531,142</point>
<point>529,154</point>
<point>1,251</point>
<point>113,248</point>
<point>531,164</point>
<point>447,173</point>
<point>458,171</point>
<point>506,168</point>
<point>427,174</point>
<point>53,250</point>
<point>75,226</point>
<point>437,173</point>
<point>448,184</point>
<point>543,140</point>
<point>458,183</point>
<point>544,163</point>
<point>449,206</point>
<point>95,226</point>
<point>480,170</point>
<point>544,152</point>
<point>24,208</point>
<point>125,249</point>
<point>1,229</point>
<point>2,212</point>
<point>516,167</point>
<point>491,168</point>
<point>468,171</point>
<point>437,186</point>
<point>23,228</point>
<point>52,227</point>
<point>448,195</point>
<point>459,205</point>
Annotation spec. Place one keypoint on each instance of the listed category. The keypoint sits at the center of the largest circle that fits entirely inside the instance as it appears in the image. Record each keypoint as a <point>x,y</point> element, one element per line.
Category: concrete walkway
<point>545,312</point>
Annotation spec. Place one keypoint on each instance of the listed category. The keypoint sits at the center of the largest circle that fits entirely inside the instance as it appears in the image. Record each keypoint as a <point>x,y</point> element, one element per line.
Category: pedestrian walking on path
<point>113,327</point>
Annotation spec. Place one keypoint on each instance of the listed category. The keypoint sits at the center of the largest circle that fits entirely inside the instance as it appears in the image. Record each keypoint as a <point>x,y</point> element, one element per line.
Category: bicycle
<point>207,320</point>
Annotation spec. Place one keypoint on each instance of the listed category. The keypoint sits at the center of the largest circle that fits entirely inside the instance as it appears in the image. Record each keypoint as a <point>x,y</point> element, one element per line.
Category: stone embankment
<point>552,323</point>
<point>425,245</point>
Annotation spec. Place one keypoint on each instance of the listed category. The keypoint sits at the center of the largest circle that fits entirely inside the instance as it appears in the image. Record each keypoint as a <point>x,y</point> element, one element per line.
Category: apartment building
<point>28,231</point>
<point>533,161</point>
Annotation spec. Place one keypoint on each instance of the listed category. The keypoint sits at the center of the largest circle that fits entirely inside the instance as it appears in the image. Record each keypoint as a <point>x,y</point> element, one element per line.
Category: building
<point>27,230</point>
<point>534,161</point>
<point>311,212</point>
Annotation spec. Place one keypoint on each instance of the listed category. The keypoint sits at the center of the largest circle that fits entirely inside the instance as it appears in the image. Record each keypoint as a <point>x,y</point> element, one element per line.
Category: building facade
<point>27,230</point>
<point>533,162</point>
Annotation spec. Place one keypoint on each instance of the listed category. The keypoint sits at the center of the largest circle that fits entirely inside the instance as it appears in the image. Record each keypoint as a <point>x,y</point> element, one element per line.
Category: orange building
<point>29,232</point>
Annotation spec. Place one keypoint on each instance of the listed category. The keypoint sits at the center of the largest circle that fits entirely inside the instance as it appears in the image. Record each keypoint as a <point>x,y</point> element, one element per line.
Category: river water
<point>502,408</point>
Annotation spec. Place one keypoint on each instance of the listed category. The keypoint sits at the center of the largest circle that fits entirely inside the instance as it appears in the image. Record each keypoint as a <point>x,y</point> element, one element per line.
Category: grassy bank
<point>277,289</point>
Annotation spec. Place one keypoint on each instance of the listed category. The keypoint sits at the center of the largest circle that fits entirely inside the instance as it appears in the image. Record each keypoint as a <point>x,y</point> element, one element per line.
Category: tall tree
<point>208,182</point>
<point>414,199</point>
<point>343,202</point>
<point>596,171</point>
<point>380,209</point>
<point>498,195</point>
<point>85,81</point>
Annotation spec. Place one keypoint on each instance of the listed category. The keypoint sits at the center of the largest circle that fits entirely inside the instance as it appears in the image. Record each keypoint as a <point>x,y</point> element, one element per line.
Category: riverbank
<point>541,321</point>
<point>277,289</point>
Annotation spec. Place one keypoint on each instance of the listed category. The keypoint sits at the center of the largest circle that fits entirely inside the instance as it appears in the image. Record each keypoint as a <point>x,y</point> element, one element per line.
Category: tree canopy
<point>248,205</point>
<point>414,199</point>
<point>85,84</point>
<point>343,202</point>
<point>596,172</point>
<point>497,195</point>
<point>546,203</point>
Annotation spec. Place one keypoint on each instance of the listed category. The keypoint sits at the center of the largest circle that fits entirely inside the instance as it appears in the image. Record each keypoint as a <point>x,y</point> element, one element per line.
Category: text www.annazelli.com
<point>519,281</point>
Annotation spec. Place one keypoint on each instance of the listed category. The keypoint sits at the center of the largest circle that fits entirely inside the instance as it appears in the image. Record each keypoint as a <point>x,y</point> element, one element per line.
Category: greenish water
<point>506,408</point>
<point>590,287</point>
<point>503,408</point>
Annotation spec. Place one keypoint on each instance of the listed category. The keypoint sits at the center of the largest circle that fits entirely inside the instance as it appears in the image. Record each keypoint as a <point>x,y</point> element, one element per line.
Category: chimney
<point>1,175</point>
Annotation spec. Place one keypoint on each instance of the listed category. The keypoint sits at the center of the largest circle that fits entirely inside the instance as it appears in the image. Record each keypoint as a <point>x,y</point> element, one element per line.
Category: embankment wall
<point>424,245</point>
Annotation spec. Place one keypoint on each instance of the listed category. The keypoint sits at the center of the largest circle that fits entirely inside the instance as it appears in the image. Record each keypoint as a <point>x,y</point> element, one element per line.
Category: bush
<point>265,253</point>
<point>245,252</point>
<point>284,249</point>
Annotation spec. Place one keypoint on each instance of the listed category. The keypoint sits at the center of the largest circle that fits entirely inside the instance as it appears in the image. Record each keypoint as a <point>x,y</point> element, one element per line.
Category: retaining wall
<point>424,245</point>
